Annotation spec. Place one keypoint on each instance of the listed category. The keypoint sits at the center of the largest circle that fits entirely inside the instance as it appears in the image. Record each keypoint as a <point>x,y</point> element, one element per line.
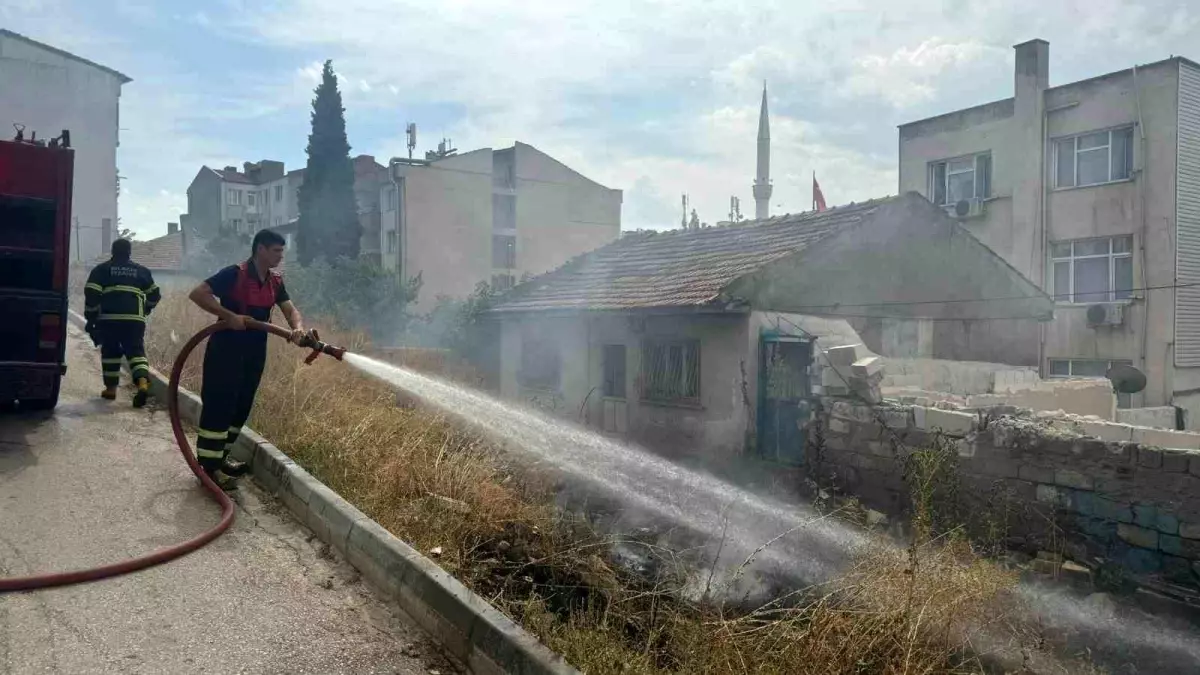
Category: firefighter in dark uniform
<point>234,359</point>
<point>118,297</point>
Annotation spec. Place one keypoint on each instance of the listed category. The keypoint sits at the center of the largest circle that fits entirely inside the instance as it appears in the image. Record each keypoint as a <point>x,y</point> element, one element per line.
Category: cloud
<point>657,98</point>
<point>908,76</point>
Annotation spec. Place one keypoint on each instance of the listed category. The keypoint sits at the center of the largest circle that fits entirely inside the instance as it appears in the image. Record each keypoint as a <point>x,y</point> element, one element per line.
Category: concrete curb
<point>472,630</point>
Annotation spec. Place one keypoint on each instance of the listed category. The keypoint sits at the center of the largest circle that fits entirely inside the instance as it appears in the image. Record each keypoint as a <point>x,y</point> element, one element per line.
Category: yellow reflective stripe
<point>91,308</point>
<point>153,287</point>
<point>93,286</point>
<point>204,453</point>
<point>122,317</point>
<point>211,435</point>
<point>139,359</point>
<point>124,289</point>
<point>111,361</point>
<point>235,430</point>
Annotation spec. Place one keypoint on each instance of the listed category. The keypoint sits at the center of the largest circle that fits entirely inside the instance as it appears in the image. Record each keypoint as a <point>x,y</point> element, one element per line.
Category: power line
<point>953,301</point>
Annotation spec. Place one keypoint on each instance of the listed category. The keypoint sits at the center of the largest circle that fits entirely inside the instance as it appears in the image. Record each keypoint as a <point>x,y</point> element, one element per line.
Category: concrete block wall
<point>1093,488</point>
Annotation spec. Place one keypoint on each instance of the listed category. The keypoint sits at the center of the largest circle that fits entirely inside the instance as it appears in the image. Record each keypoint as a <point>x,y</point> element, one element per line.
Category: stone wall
<point>1100,492</point>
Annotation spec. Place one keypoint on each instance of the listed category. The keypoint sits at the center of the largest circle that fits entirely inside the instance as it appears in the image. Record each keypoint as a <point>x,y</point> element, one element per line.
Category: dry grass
<point>434,485</point>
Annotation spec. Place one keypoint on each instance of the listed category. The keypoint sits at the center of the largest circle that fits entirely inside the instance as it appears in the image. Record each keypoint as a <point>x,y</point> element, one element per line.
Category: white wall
<point>49,92</point>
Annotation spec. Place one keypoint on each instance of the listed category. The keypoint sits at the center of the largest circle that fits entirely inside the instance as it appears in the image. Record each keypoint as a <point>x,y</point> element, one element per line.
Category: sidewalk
<point>98,482</point>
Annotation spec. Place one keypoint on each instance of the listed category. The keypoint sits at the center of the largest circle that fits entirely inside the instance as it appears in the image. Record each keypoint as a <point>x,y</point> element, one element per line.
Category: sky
<point>656,98</point>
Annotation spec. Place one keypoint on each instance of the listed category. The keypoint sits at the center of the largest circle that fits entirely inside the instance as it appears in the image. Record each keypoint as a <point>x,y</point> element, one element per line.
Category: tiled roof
<point>677,268</point>
<point>163,254</point>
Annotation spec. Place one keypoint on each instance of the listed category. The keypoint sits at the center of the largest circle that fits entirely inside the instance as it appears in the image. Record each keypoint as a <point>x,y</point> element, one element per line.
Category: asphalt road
<point>97,482</point>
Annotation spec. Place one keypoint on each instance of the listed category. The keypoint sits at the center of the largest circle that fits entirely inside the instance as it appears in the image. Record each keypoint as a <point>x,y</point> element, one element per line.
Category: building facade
<point>264,195</point>
<point>1092,190</point>
<point>48,90</point>
<point>646,338</point>
<point>489,215</point>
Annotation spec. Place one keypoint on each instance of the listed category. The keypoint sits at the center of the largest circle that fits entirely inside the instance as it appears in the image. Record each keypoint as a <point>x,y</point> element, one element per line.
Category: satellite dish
<point>961,208</point>
<point>1126,379</point>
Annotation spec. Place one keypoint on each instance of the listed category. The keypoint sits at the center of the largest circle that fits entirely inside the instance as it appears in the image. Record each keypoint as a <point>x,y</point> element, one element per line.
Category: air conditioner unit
<point>1106,314</point>
<point>965,208</point>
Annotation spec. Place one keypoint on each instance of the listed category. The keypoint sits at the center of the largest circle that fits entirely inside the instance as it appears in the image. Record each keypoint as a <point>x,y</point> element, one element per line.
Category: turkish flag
<point>818,197</point>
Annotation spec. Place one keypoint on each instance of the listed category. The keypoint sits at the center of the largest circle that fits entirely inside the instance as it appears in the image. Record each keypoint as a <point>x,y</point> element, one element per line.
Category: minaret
<point>762,179</point>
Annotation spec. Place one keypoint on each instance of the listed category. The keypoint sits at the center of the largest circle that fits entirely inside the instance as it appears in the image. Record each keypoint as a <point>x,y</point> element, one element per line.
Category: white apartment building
<point>489,215</point>
<point>48,90</point>
<point>1092,190</point>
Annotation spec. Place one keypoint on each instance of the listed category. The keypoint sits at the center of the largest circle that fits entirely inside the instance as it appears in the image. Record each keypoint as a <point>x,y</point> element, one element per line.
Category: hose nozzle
<point>312,340</point>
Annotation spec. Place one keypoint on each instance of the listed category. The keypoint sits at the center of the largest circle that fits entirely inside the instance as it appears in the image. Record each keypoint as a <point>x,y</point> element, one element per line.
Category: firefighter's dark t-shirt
<point>222,284</point>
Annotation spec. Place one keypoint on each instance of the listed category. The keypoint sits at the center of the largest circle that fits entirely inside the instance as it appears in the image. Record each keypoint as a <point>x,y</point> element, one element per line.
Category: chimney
<point>172,228</point>
<point>231,169</point>
<point>1032,71</point>
<point>1028,166</point>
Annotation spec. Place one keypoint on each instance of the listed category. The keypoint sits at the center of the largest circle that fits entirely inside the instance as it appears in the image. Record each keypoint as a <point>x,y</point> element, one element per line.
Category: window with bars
<point>540,362</point>
<point>953,180</point>
<point>671,371</point>
<point>1093,270</point>
<point>1088,369</point>
<point>1093,159</point>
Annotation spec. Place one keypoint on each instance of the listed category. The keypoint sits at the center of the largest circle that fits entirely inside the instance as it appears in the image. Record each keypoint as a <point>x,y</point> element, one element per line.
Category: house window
<point>613,364</point>
<point>1093,159</point>
<point>391,198</point>
<point>540,362</point>
<point>504,251</point>
<point>237,224</point>
<point>278,193</point>
<point>504,212</point>
<point>503,282</point>
<point>1093,270</point>
<point>235,197</point>
<point>954,180</point>
<point>391,241</point>
<point>250,198</point>
<point>1088,369</point>
<point>278,221</point>
<point>671,371</point>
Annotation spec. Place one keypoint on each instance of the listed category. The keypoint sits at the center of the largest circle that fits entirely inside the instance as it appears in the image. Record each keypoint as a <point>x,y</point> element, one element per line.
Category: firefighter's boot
<point>223,480</point>
<point>232,467</point>
<point>109,394</point>
<point>143,390</point>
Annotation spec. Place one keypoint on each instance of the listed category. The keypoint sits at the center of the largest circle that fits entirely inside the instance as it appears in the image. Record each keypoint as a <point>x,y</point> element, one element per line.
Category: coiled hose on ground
<point>185,448</point>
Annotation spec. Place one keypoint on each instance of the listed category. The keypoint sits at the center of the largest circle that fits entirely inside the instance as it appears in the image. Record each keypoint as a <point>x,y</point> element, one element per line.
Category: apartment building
<point>264,195</point>
<point>489,215</point>
<point>1092,190</point>
<point>47,90</point>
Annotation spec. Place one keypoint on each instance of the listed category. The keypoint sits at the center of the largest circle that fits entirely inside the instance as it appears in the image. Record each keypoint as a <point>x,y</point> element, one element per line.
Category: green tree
<point>328,225</point>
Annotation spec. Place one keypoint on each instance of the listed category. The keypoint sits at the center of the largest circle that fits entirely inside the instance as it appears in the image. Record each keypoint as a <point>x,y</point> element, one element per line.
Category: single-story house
<point>675,339</point>
<point>166,257</point>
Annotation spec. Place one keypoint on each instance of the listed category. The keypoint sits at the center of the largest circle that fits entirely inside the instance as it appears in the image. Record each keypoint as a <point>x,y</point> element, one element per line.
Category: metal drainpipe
<point>1141,179</point>
<point>396,204</point>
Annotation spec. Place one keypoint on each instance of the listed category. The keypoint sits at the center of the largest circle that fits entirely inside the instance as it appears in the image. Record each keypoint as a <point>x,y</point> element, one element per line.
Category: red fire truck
<point>35,217</point>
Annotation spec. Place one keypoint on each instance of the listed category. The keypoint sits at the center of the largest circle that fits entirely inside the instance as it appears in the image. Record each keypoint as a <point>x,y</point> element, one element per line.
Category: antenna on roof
<point>411,132</point>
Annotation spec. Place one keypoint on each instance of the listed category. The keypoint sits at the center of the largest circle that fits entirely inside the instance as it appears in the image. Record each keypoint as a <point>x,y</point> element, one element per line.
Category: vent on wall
<point>965,208</point>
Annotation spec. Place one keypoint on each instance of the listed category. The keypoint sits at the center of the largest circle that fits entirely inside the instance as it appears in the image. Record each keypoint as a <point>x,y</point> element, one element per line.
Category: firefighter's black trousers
<point>122,339</point>
<point>233,365</point>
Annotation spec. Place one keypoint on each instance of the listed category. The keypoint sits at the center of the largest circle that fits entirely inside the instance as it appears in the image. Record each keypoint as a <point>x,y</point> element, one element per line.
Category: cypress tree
<point>328,224</point>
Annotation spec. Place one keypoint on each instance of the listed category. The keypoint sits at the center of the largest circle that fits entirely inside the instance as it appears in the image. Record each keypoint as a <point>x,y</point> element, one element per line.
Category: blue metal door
<point>783,396</point>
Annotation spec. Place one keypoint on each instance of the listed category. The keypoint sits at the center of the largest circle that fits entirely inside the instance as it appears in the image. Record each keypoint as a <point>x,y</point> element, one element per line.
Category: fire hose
<point>310,341</point>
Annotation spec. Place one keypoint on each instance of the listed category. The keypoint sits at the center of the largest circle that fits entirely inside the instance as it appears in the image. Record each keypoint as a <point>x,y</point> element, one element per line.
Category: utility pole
<point>683,222</point>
